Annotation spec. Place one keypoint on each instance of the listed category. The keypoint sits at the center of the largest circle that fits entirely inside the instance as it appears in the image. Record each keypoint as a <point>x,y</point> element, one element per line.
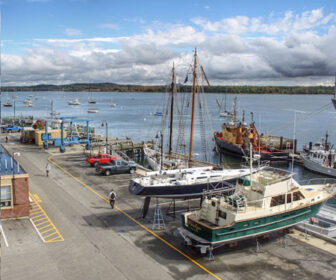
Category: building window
<point>6,196</point>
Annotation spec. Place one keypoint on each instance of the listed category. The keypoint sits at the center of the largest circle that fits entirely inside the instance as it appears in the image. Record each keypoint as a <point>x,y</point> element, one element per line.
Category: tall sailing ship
<point>184,182</point>
<point>264,201</point>
<point>156,158</point>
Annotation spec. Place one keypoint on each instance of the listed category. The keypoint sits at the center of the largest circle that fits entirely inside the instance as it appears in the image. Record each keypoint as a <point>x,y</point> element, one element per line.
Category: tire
<point>108,172</point>
<point>132,170</point>
<point>95,164</point>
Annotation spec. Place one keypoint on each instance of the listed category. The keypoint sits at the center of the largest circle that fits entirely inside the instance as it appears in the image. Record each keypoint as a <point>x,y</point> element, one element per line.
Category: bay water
<point>305,117</point>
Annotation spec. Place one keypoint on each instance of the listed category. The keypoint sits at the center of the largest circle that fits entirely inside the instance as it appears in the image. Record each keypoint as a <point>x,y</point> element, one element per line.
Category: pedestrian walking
<point>6,139</point>
<point>112,197</point>
<point>47,169</point>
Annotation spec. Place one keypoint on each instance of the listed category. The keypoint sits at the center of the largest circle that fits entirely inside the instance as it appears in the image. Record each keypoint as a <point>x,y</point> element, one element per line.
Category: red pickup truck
<point>101,158</point>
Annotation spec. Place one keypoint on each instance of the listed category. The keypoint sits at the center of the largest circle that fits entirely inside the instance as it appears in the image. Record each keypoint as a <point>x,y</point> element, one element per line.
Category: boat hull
<point>179,190</point>
<point>334,102</point>
<point>249,228</point>
<point>235,150</point>
<point>316,167</point>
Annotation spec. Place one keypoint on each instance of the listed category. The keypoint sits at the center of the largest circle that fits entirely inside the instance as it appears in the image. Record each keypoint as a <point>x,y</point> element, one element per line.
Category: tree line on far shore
<point>110,87</point>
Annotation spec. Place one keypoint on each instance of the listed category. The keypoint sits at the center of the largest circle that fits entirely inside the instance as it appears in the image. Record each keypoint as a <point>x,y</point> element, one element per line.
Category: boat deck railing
<point>319,181</point>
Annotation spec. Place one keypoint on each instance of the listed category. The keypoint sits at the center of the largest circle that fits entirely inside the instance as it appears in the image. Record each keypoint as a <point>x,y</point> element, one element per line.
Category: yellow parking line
<point>40,223</point>
<point>46,230</point>
<point>134,220</point>
<point>56,239</point>
<point>45,218</point>
<point>37,216</point>
<point>35,211</point>
<point>49,235</point>
<point>44,227</point>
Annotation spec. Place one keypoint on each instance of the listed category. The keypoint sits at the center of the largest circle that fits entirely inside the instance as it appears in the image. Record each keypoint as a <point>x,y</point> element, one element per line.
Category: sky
<point>239,42</point>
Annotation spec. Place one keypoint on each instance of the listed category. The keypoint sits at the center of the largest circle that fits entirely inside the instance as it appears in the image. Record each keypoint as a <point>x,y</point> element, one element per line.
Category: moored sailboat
<point>91,100</point>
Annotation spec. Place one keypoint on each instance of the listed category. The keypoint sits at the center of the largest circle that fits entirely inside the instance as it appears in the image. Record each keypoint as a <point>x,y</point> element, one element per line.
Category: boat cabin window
<point>278,200</point>
<point>298,196</point>
<point>213,203</point>
<point>289,198</point>
<point>222,214</point>
<point>203,177</point>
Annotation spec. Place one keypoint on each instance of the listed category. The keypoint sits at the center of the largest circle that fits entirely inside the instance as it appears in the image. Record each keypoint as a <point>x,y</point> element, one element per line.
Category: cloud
<point>109,26</point>
<point>288,23</point>
<point>72,32</point>
<point>292,49</point>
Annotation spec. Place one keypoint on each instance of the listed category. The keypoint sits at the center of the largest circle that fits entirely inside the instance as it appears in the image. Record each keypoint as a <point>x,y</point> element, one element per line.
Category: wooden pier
<point>126,145</point>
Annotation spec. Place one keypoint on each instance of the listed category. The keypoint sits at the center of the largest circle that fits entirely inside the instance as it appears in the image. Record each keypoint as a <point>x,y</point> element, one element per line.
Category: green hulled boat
<point>267,200</point>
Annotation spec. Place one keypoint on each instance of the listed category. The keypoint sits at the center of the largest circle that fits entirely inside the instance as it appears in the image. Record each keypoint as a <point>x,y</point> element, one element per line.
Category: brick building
<point>14,188</point>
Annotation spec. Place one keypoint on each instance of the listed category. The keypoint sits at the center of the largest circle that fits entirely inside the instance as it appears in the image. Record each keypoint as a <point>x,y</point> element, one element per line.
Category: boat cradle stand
<point>195,241</point>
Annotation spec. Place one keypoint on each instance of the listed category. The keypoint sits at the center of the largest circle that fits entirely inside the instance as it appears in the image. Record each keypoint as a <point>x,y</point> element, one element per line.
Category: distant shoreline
<point>110,87</point>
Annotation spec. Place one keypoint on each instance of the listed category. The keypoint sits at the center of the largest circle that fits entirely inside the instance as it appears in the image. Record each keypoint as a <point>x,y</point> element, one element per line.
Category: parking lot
<point>103,243</point>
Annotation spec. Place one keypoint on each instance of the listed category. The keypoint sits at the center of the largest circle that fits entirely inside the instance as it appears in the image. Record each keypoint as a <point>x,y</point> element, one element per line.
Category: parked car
<point>101,158</point>
<point>116,166</point>
<point>11,128</point>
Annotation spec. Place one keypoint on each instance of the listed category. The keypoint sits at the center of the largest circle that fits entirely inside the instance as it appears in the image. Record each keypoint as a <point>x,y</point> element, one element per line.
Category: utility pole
<point>104,123</point>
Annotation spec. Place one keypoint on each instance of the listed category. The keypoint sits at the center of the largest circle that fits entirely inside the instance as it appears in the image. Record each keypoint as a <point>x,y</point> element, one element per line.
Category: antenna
<point>294,128</point>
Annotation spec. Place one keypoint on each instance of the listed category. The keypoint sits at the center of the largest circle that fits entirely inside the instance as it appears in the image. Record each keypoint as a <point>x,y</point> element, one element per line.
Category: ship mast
<point>335,88</point>
<point>193,106</point>
<point>171,111</point>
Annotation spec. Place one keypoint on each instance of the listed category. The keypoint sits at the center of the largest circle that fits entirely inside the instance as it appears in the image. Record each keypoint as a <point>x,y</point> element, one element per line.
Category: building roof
<point>9,166</point>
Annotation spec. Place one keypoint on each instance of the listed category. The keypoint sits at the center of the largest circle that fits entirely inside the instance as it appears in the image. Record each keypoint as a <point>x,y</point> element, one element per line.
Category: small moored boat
<point>320,157</point>
<point>74,102</point>
<point>93,111</point>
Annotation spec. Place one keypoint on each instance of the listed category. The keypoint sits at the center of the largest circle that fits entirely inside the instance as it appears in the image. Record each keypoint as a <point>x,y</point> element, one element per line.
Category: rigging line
<point>310,115</point>
<point>206,116</point>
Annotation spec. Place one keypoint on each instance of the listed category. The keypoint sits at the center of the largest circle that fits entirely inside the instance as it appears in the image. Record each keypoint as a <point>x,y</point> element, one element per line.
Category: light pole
<point>14,111</point>
<point>104,123</point>
<point>18,168</point>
